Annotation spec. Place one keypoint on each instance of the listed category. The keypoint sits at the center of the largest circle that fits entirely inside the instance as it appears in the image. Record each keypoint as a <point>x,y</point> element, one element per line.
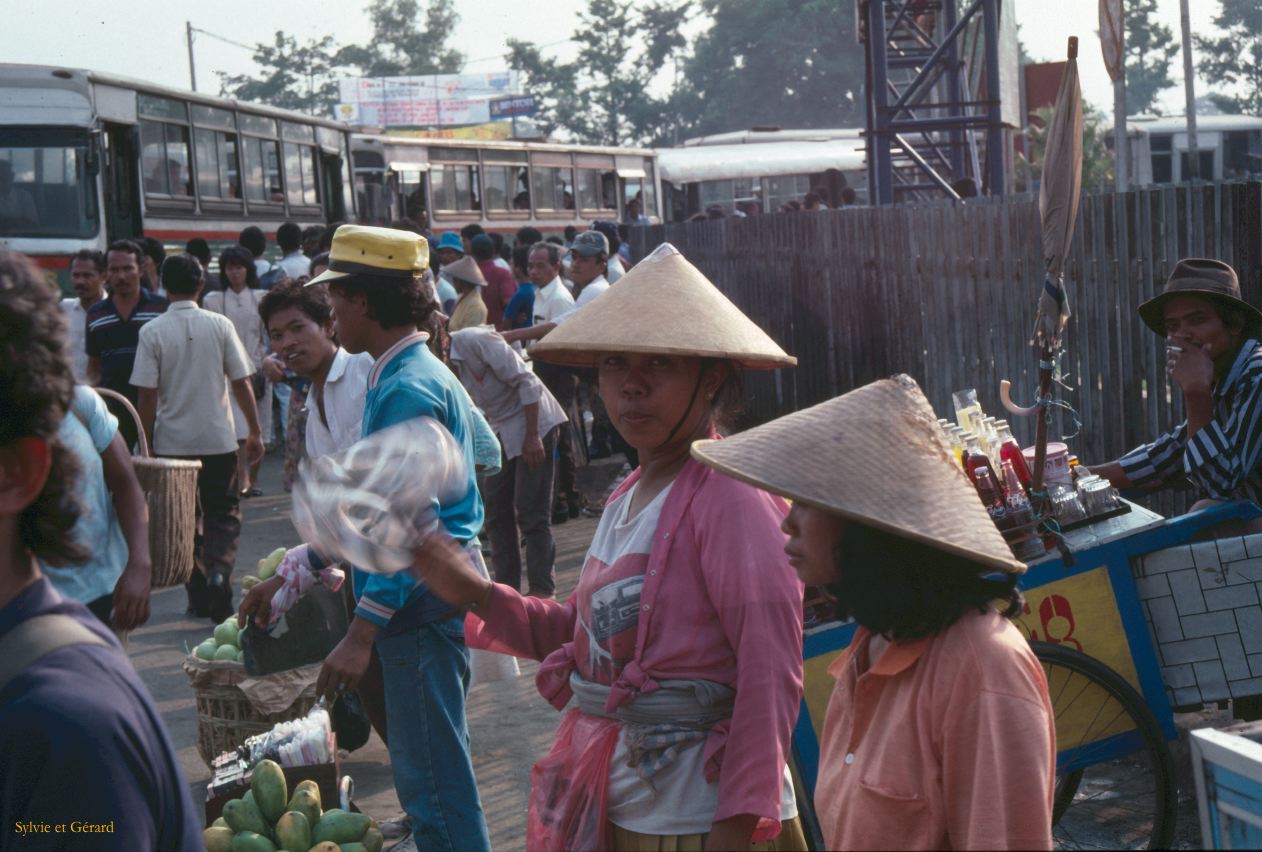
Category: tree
<point>1234,57</point>
<point>603,96</point>
<point>791,63</point>
<point>406,42</point>
<point>1097,159</point>
<point>294,76</point>
<point>1150,50</point>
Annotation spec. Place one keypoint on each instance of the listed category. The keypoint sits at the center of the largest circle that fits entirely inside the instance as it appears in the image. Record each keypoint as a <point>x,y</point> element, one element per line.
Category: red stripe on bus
<point>51,261</point>
<point>188,235</point>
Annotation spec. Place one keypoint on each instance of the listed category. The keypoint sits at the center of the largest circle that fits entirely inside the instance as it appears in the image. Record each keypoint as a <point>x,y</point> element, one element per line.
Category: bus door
<point>331,190</point>
<point>122,183</point>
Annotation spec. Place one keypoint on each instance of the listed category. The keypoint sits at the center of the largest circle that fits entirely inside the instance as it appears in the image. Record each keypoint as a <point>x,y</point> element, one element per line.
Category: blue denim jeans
<point>426,674</point>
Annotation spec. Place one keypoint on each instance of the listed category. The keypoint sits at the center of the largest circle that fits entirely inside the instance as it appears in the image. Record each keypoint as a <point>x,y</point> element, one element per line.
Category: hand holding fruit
<point>258,602</point>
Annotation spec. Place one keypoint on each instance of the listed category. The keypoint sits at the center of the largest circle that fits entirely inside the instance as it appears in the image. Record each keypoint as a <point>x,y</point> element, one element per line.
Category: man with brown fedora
<point>1213,355</point>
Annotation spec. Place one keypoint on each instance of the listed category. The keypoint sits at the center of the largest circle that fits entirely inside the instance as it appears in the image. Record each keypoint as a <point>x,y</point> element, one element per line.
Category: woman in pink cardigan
<point>680,652</point>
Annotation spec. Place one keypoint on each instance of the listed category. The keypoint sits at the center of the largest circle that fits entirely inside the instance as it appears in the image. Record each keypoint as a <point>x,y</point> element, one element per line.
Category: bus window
<point>218,174</point>
<point>165,159</point>
<point>597,190</point>
<point>1162,165</point>
<point>1242,154</point>
<point>262,170</point>
<point>45,189</point>
<point>300,177</point>
<point>638,191</point>
<point>455,187</point>
<point>553,188</point>
<point>782,189</point>
<point>1206,159</point>
<point>504,185</point>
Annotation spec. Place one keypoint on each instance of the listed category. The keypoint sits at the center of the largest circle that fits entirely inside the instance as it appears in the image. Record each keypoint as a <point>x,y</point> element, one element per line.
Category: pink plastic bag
<point>569,788</point>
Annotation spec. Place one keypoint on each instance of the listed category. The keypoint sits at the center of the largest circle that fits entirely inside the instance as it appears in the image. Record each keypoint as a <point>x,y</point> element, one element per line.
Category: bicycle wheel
<point>1115,784</point>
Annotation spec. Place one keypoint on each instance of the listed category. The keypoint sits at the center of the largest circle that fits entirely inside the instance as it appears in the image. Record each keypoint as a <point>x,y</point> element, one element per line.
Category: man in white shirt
<point>299,322</point>
<point>186,362</point>
<point>294,262</point>
<point>552,303</point>
<point>526,418</point>
<point>589,261</point>
<point>87,277</point>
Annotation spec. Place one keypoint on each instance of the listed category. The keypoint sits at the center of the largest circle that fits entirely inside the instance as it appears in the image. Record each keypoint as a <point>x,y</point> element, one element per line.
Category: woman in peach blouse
<point>939,732</point>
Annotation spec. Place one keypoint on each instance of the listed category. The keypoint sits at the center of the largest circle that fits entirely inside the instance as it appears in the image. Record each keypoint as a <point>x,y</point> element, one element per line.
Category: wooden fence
<point>947,293</point>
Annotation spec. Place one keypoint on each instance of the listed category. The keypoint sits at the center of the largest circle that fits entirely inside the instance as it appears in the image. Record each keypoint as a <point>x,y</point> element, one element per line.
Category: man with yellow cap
<point>379,302</point>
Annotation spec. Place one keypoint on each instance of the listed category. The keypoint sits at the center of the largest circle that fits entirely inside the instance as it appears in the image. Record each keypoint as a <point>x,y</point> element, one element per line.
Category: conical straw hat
<point>663,305</point>
<point>466,269</point>
<point>875,455</point>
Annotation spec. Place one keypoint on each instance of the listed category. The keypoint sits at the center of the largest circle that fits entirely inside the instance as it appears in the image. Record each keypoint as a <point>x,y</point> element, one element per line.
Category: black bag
<point>350,721</point>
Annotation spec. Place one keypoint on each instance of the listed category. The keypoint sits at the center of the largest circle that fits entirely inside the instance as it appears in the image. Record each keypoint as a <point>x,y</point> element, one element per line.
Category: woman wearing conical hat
<point>679,653</point>
<point>470,309</point>
<point>939,732</point>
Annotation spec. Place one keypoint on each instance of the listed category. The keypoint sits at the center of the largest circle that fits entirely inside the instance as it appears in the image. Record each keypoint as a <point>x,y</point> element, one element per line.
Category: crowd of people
<point>678,657</point>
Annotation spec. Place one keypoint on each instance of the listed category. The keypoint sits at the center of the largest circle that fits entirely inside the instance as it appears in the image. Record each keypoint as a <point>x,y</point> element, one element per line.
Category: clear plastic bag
<point>373,503</point>
<point>569,789</point>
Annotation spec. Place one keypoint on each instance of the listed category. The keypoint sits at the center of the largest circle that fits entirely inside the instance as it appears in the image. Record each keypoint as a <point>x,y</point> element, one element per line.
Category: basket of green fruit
<point>267,819</point>
<point>226,716</point>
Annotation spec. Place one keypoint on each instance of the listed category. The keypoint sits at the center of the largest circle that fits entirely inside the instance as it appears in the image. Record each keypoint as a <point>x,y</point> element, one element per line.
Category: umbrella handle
<point>1005,396</point>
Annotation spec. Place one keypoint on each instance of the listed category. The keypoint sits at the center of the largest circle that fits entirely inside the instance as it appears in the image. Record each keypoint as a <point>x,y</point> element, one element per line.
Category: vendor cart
<point>1139,620</point>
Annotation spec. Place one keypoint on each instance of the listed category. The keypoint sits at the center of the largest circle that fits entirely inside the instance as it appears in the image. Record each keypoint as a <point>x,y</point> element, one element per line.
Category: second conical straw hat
<point>875,455</point>
<point>663,305</point>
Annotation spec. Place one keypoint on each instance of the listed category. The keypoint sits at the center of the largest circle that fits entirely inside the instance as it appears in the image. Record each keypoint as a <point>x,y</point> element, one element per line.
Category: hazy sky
<point>145,38</point>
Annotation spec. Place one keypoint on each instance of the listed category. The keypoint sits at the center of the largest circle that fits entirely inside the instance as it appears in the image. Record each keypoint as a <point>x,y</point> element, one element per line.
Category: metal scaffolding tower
<point>933,105</point>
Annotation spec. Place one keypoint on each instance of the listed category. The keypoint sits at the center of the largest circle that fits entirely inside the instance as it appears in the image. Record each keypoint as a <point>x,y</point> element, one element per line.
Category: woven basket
<point>225,717</point>
<point>170,487</point>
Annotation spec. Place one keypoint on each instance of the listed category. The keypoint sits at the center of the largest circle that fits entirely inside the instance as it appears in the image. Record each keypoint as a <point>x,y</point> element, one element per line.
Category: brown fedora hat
<point>1196,276</point>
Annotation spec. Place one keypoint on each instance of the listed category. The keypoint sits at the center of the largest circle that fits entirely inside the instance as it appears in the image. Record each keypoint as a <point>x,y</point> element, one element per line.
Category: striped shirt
<point>113,339</point>
<point>1224,458</point>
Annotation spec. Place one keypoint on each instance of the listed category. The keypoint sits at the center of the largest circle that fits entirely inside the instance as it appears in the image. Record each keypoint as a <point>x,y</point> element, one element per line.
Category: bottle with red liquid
<point>973,457</point>
<point>1010,453</point>
<point>992,495</point>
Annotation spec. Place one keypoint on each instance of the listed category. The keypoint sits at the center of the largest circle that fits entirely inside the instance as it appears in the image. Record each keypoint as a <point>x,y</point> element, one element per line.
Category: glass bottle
<point>1010,453</point>
<point>992,495</point>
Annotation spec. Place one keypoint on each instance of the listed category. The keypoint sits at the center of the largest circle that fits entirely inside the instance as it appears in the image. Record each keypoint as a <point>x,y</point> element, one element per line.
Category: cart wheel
<point>1115,784</point>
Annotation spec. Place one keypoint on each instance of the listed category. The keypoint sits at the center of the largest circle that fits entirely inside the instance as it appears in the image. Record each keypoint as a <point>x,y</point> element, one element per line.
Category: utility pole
<point>192,71</point>
<point>1189,89</point>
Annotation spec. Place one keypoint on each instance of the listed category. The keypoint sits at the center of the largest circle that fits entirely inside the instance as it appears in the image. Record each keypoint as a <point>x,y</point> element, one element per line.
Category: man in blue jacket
<point>379,302</point>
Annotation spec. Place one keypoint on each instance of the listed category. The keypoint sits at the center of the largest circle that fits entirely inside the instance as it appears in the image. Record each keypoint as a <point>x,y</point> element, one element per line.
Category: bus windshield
<point>45,189</point>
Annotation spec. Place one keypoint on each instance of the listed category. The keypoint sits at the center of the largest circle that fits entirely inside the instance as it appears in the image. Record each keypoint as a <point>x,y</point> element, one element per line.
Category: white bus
<point>502,185</point>
<point>88,158</point>
<point>1229,147</point>
<point>761,169</point>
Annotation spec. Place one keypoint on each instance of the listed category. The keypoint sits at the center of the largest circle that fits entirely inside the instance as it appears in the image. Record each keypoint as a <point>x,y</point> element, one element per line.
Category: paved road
<point>510,725</point>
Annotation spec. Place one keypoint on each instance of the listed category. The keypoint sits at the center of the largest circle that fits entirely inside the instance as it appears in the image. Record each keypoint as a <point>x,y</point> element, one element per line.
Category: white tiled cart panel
<point>1202,605</point>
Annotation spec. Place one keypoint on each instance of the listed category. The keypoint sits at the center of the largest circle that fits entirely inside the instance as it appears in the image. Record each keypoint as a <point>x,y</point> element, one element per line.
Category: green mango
<point>243,815</point>
<point>269,564</point>
<point>326,846</point>
<point>206,650</point>
<point>267,783</point>
<point>251,841</point>
<point>226,652</point>
<point>217,838</point>
<point>219,821</point>
<point>293,832</point>
<point>353,847</point>
<point>226,634</point>
<point>373,839</point>
<point>306,803</point>
<point>340,827</point>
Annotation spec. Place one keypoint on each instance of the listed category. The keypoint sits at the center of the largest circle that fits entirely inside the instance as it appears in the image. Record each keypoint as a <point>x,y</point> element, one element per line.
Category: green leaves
<point>1234,56</point>
<point>1150,54</point>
